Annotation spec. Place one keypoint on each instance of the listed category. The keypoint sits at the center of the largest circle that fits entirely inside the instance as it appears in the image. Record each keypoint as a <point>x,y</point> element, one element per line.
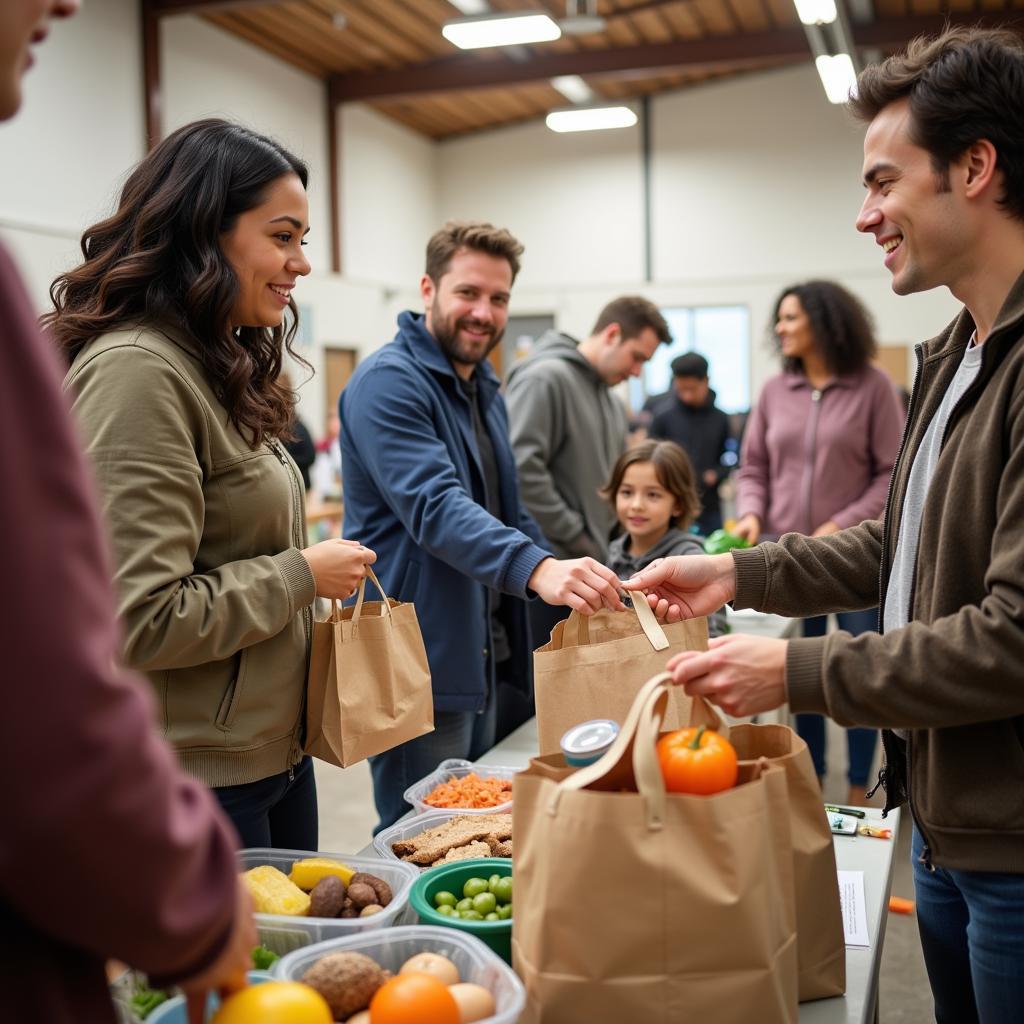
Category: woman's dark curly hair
<point>841,325</point>
<point>158,261</point>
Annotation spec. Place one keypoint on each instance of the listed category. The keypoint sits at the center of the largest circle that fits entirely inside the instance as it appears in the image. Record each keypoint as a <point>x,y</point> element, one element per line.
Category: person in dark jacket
<point>944,171</point>
<point>108,850</point>
<point>430,481</point>
<point>300,445</point>
<point>690,417</point>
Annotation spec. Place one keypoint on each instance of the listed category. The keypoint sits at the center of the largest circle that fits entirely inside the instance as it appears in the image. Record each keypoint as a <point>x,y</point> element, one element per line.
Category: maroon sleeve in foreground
<point>106,845</point>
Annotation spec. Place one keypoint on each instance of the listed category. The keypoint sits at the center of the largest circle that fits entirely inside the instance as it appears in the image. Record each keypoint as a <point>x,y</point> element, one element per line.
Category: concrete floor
<point>347,818</point>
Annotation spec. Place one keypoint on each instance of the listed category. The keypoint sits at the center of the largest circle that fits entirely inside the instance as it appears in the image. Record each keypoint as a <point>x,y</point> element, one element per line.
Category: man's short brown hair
<point>963,86</point>
<point>473,235</point>
<point>633,314</point>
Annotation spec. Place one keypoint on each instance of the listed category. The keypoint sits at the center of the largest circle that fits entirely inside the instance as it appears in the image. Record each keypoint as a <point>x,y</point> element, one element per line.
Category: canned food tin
<point>587,742</point>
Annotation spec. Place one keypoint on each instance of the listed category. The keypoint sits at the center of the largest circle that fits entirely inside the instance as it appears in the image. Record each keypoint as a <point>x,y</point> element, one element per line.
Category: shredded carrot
<point>470,792</point>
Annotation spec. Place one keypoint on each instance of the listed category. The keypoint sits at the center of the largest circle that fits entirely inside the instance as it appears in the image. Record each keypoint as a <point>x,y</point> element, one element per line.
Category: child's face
<point>645,509</point>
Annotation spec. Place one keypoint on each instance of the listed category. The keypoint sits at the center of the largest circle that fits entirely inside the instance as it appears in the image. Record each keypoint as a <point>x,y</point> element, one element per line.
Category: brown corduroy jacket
<point>954,677</point>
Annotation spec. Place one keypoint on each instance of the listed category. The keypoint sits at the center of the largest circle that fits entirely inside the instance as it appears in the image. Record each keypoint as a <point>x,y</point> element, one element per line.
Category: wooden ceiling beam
<point>162,7</point>
<point>457,73</point>
<point>708,54</point>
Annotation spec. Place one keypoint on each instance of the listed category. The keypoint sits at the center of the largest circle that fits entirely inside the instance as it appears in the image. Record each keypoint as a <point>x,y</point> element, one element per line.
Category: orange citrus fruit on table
<point>274,1002</point>
<point>414,999</point>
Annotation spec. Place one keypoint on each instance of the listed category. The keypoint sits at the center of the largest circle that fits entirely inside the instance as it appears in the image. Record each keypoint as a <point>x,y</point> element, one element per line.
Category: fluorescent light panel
<point>500,30</point>
<point>573,88</point>
<point>816,12</point>
<point>590,119</point>
<point>471,6</point>
<point>837,76</point>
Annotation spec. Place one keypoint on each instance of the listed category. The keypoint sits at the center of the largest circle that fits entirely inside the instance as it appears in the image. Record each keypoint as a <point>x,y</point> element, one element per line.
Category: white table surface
<point>853,853</point>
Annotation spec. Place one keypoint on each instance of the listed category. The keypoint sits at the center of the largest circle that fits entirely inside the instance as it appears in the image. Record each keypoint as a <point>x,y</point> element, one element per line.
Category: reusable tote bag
<point>821,946</point>
<point>369,682</point>
<point>633,904</point>
<point>594,666</point>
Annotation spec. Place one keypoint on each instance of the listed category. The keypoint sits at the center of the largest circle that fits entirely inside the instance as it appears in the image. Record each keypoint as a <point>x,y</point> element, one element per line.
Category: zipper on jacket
<point>295,754</point>
<point>926,851</point>
<point>810,450</point>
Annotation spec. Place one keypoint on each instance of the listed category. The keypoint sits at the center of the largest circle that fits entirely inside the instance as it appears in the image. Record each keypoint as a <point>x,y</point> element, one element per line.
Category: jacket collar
<point>796,381</point>
<point>423,346</point>
<point>958,334</point>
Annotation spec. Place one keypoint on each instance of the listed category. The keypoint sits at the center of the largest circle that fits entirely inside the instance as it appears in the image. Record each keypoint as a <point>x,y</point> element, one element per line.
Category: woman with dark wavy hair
<point>175,325</point>
<point>817,455</point>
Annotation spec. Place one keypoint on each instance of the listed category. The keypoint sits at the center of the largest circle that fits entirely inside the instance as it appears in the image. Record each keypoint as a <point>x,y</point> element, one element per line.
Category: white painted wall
<point>389,179</point>
<point>209,73</point>
<point>64,156</point>
<point>755,185</point>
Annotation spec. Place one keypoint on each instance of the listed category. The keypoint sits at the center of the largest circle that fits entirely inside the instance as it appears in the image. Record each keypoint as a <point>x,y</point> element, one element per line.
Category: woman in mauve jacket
<point>817,455</point>
<point>176,326</point>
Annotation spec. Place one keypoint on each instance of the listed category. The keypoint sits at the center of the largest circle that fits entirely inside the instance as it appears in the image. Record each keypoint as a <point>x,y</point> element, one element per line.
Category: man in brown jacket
<point>944,170</point>
<point>106,849</point>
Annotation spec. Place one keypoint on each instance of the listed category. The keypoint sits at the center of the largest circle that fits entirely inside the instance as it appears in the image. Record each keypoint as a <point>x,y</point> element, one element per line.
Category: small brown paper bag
<point>368,688</point>
<point>821,945</point>
<point>593,668</point>
<point>633,904</point>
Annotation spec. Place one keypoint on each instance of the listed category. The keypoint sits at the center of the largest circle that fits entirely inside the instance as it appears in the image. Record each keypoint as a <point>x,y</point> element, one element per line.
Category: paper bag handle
<point>639,731</point>
<point>577,626</point>
<point>360,596</point>
<point>637,740</point>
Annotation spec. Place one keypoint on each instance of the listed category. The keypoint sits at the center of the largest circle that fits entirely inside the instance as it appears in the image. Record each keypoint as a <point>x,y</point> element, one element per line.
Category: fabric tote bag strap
<point>576,631</point>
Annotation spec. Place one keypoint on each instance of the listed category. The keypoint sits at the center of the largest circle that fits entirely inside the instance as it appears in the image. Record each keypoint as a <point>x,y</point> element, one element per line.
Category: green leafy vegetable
<point>263,959</point>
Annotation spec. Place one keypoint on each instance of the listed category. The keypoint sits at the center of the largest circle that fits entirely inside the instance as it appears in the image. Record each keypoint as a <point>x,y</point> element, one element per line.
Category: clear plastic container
<point>459,768</point>
<point>283,933</point>
<point>393,946</point>
<point>407,828</point>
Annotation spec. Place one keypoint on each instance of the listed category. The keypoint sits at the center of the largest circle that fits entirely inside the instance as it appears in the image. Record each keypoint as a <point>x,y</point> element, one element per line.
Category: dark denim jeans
<point>456,734</point>
<point>860,743</point>
<point>972,934</point>
<point>278,811</point>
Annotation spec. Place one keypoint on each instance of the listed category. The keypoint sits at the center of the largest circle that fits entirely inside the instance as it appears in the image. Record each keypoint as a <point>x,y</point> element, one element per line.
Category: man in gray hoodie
<point>568,429</point>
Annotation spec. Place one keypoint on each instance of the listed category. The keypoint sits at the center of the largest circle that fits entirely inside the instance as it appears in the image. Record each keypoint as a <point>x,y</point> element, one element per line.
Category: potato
<point>327,897</point>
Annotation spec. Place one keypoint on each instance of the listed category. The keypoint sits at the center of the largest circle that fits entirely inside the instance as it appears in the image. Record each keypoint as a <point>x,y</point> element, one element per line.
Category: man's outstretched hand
<point>686,586</point>
<point>743,675</point>
<point>584,584</point>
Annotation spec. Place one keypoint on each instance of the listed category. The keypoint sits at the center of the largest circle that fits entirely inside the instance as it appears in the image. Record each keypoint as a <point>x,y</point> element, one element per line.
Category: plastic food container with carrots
<point>459,785</point>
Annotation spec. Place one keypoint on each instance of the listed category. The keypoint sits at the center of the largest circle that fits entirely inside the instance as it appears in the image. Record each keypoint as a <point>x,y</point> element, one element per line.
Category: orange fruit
<point>414,999</point>
<point>274,1002</point>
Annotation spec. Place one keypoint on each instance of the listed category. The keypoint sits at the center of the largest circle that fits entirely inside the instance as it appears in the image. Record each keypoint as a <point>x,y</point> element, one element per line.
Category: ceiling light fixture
<point>590,119</point>
<point>500,30</point>
<point>816,12</point>
<point>573,88</point>
<point>470,6</point>
<point>837,76</point>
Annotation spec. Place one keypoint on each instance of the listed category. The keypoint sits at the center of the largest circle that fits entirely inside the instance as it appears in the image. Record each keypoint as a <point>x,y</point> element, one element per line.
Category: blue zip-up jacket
<point>409,460</point>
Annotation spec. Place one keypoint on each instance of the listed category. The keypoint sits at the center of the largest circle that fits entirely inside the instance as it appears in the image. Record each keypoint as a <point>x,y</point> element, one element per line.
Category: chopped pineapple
<point>306,873</point>
<point>273,892</point>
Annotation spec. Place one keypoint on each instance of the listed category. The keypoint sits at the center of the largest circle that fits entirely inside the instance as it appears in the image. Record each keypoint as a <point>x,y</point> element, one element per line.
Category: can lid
<point>591,737</point>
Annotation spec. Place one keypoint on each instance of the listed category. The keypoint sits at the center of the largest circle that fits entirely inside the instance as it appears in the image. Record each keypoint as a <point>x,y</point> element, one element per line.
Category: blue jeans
<point>861,743</point>
<point>279,812</point>
<point>972,935</point>
<point>456,734</point>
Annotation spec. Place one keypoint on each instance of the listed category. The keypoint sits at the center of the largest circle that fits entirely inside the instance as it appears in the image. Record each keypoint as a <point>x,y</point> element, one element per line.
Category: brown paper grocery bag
<point>633,904</point>
<point>821,945</point>
<point>369,682</point>
<point>593,668</point>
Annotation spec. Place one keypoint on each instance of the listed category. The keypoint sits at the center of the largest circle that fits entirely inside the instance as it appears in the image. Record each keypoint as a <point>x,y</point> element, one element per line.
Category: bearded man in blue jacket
<point>430,484</point>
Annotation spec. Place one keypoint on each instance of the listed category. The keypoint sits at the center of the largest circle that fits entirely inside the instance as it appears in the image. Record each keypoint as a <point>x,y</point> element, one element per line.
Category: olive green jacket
<point>214,593</point>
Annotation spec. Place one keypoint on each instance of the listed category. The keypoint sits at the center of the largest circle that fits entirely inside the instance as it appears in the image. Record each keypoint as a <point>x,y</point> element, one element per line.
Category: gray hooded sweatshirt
<point>567,431</point>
